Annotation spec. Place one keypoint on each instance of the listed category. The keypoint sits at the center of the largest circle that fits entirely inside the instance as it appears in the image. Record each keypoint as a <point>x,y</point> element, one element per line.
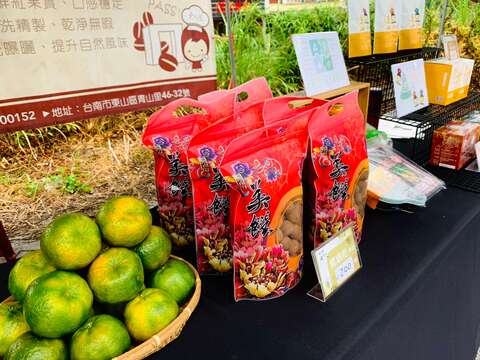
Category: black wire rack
<point>425,122</point>
<point>463,179</point>
<point>377,71</point>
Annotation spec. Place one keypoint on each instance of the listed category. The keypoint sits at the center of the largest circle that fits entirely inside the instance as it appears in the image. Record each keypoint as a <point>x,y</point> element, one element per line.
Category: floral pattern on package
<point>264,167</point>
<point>340,168</point>
<point>210,190</point>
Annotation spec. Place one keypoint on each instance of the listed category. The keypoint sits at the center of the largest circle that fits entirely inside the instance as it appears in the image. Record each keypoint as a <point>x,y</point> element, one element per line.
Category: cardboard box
<point>363,94</point>
<point>453,145</point>
<point>448,80</point>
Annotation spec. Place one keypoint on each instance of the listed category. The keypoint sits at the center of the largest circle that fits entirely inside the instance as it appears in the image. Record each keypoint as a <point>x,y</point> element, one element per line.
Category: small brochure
<point>450,47</point>
<point>410,86</point>
<point>321,62</point>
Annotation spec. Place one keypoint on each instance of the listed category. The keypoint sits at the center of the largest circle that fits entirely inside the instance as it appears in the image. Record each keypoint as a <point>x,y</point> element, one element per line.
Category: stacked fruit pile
<point>77,287</point>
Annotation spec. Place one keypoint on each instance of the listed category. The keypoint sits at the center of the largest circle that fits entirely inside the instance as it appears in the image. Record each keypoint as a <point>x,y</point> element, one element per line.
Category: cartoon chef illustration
<point>195,39</point>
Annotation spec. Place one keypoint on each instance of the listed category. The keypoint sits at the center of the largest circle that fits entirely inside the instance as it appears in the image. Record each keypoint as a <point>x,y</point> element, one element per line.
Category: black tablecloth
<point>417,297</point>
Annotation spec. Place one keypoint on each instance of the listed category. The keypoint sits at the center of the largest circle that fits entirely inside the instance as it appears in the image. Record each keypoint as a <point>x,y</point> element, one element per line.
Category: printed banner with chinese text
<point>64,60</point>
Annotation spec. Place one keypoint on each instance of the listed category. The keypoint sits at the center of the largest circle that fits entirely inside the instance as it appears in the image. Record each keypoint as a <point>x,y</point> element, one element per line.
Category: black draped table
<point>417,298</point>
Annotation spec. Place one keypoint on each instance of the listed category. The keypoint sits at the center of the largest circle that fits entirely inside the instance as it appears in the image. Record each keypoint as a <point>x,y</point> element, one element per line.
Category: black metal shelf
<point>376,70</point>
<point>425,122</point>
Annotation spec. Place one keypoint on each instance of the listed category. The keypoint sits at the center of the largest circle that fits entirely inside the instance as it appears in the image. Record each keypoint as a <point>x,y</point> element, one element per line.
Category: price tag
<point>336,261</point>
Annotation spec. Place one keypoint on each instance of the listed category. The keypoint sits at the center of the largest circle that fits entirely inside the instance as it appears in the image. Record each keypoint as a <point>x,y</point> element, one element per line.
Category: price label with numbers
<point>336,261</point>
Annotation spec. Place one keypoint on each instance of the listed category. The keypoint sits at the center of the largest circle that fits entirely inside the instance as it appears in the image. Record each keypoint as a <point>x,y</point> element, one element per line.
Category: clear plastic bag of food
<point>395,180</point>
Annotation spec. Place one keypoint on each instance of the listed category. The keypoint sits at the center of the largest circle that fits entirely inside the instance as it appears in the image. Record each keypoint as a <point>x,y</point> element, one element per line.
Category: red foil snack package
<point>285,107</point>
<point>340,167</point>
<point>168,133</point>
<point>264,167</point>
<point>224,103</point>
<point>211,194</point>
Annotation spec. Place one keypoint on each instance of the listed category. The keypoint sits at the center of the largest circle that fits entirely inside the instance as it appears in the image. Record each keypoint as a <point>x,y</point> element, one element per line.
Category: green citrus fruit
<point>176,279</point>
<point>102,337</point>
<point>116,276</point>
<point>71,241</point>
<point>124,221</point>
<point>12,325</point>
<point>27,269</point>
<point>57,303</point>
<point>31,347</point>
<point>155,250</point>
<point>150,312</point>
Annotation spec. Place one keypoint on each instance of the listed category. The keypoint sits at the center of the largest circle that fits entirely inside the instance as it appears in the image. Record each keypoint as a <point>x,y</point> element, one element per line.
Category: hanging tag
<point>336,261</point>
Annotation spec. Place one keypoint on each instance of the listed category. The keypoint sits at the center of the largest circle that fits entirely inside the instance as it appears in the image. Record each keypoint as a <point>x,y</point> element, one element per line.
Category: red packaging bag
<point>211,194</point>
<point>340,163</point>
<point>285,107</point>
<point>224,103</point>
<point>264,167</point>
<point>168,133</point>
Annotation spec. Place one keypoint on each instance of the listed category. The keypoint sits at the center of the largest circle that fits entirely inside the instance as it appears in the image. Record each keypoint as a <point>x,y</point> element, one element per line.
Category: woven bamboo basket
<point>168,334</point>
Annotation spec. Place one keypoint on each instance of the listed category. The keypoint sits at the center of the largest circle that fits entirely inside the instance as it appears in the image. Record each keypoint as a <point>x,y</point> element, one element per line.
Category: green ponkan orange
<point>57,303</point>
<point>149,313</point>
<point>12,325</point>
<point>28,268</point>
<point>155,250</point>
<point>176,279</point>
<point>116,276</point>
<point>102,337</point>
<point>124,221</point>
<point>71,241</point>
<point>31,347</point>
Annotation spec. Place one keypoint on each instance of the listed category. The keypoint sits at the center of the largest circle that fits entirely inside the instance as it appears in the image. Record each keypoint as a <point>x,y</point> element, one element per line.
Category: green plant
<point>263,44</point>
<point>32,187</point>
<point>74,185</point>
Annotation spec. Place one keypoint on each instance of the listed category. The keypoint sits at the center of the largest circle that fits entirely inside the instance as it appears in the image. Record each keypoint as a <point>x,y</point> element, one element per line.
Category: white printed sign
<point>74,59</point>
<point>321,62</point>
<point>410,87</point>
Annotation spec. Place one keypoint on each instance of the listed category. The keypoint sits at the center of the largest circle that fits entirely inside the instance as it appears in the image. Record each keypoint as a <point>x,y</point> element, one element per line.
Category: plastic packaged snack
<point>224,103</point>
<point>264,168</point>
<point>211,194</point>
<point>395,180</point>
<point>386,26</point>
<point>359,37</point>
<point>453,145</point>
<point>412,14</point>
<point>340,168</point>
<point>168,134</point>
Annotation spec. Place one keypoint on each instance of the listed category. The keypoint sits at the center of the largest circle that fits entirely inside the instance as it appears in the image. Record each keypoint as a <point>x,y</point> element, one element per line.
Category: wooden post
<point>6,249</point>
<point>231,44</point>
<point>443,19</point>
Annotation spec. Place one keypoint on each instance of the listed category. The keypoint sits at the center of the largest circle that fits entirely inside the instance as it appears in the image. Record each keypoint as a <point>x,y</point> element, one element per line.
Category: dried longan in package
<point>339,162</point>
<point>264,168</point>
<point>168,134</point>
<point>211,194</point>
